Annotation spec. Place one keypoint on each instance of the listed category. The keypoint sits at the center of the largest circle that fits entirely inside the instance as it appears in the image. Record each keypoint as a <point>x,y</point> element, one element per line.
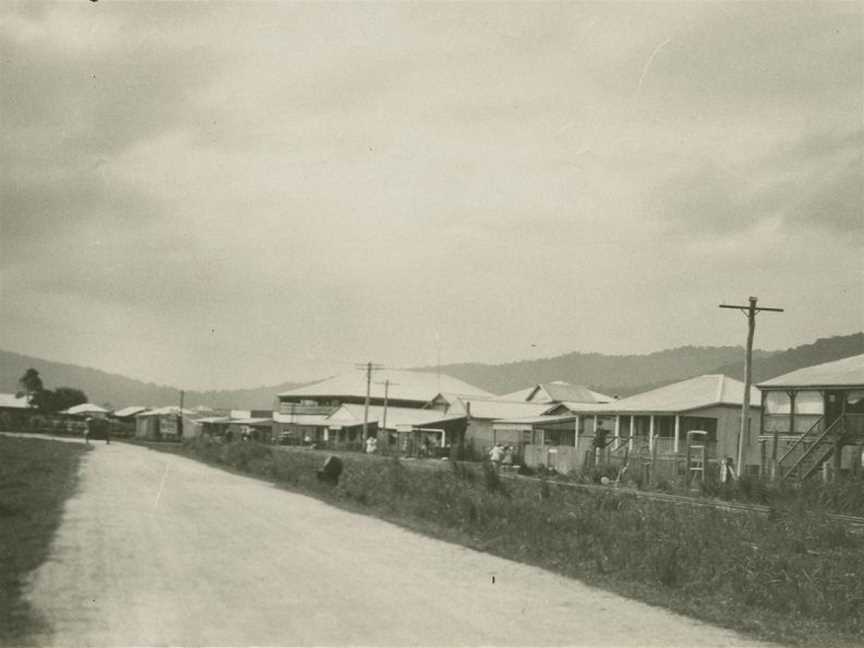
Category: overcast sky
<point>226,195</point>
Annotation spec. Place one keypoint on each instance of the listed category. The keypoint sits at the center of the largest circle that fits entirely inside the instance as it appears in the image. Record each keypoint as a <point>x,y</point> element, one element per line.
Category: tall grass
<point>783,575</point>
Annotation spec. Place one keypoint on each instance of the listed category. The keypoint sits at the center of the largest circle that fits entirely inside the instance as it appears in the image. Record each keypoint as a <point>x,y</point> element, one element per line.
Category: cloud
<point>810,184</point>
<point>340,181</point>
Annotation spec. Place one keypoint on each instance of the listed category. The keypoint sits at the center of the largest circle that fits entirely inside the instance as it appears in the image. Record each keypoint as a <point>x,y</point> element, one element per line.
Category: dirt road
<point>160,550</point>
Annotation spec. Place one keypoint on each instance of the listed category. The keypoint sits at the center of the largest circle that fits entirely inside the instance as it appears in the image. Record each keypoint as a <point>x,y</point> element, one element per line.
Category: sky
<point>239,194</point>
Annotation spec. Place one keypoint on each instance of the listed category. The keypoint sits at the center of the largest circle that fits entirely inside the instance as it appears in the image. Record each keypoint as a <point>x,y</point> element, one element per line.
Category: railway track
<point>854,522</point>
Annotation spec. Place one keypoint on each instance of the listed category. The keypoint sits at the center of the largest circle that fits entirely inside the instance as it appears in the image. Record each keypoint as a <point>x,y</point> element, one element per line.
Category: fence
<point>60,424</point>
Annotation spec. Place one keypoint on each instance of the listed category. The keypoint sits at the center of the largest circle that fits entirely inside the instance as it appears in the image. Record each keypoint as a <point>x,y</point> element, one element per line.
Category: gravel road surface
<point>156,549</point>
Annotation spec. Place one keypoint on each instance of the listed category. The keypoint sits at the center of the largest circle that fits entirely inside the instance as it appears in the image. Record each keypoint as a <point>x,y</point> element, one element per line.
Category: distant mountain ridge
<point>121,391</point>
<point>630,374</point>
<point>613,375</point>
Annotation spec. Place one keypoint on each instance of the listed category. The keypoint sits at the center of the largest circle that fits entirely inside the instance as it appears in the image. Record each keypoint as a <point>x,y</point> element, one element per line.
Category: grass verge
<point>794,577</point>
<point>36,477</point>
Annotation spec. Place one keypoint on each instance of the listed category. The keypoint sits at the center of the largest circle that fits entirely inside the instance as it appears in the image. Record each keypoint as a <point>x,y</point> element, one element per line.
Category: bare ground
<point>158,549</point>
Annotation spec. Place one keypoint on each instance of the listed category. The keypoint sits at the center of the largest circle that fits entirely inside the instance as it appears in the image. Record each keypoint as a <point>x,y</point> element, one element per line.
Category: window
<point>855,402</point>
<point>809,402</point>
<point>555,437</point>
<point>777,402</point>
<point>706,424</point>
<point>809,408</point>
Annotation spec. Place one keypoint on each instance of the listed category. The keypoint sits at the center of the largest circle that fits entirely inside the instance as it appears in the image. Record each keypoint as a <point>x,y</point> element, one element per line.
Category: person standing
<point>87,424</point>
<point>507,461</point>
<point>496,454</point>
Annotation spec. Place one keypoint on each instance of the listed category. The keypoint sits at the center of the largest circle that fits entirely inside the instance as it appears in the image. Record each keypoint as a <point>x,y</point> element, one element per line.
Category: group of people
<point>501,455</point>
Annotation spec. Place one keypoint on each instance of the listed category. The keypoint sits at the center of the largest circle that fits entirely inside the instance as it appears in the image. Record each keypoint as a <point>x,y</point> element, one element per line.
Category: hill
<point>622,375</point>
<point>806,355</point>
<point>120,391</point>
<point>630,374</point>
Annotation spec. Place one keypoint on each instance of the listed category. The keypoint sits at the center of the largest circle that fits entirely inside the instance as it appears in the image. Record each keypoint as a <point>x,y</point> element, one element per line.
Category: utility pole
<point>386,394</point>
<point>386,384</point>
<point>750,311</point>
<point>369,368</point>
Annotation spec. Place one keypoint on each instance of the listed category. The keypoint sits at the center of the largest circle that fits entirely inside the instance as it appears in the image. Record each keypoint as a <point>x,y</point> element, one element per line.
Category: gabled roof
<point>848,372</point>
<point>171,409</point>
<point>86,408</point>
<point>578,408</point>
<point>690,394</point>
<point>13,401</point>
<point>351,414</point>
<point>404,385</point>
<point>453,398</point>
<point>302,419</point>
<point>559,391</point>
<point>496,409</point>
<point>129,411</point>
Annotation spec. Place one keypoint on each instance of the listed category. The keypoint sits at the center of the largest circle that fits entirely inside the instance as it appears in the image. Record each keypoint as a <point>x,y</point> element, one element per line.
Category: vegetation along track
<point>855,523</point>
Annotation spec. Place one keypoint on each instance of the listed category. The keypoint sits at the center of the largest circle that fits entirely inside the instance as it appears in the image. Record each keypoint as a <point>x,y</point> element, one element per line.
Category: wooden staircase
<point>811,450</point>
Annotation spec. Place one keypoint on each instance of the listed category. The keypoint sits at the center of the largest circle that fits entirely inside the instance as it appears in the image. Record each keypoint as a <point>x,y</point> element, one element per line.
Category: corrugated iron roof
<point>848,372</point>
<point>171,409</point>
<point>496,409</point>
<point>352,414</point>
<point>129,411</point>
<point>582,408</point>
<point>690,394</point>
<point>559,391</point>
<point>404,385</point>
<point>534,420</point>
<point>86,408</point>
<point>301,419</point>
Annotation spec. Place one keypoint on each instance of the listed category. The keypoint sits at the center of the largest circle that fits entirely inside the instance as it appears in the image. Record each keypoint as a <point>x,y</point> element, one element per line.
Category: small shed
<point>165,424</point>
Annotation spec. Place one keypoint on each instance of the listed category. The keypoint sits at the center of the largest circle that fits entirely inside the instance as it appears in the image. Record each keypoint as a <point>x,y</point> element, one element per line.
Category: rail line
<point>853,521</point>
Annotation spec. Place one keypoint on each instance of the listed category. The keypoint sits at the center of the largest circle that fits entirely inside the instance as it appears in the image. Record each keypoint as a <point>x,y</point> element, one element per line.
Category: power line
<point>750,311</point>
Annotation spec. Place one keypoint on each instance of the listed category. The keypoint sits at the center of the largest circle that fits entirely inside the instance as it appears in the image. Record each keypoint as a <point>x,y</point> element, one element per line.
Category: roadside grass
<point>36,477</point>
<point>793,577</point>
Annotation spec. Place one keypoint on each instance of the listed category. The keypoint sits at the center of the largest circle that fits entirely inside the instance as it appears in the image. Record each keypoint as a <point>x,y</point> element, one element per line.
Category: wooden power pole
<point>369,368</point>
<point>751,310</point>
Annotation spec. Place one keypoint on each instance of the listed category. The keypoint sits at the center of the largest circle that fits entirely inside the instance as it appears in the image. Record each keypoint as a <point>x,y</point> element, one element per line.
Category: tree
<point>66,397</point>
<point>30,384</point>
<point>58,400</point>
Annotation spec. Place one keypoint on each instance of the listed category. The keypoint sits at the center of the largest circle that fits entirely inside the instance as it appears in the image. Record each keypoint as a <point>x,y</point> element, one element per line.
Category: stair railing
<point>829,430</point>
<point>801,440</point>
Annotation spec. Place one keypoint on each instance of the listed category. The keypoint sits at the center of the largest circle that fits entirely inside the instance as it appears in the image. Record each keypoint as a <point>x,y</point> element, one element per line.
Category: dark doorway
<point>834,401</point>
